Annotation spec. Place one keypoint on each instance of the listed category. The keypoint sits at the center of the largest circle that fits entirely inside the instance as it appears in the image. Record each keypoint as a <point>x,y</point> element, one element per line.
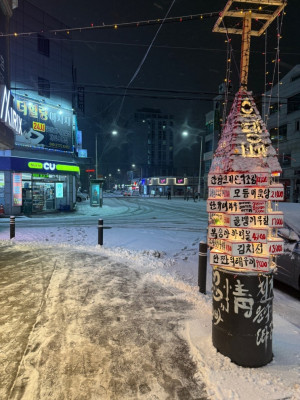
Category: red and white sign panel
<point>251,179</point>
<point>250,263</point>
<point>273,219</point>
<point>239,248</point>
<point>239,207</point>
<point>247,193</point>
<point>250,235</point>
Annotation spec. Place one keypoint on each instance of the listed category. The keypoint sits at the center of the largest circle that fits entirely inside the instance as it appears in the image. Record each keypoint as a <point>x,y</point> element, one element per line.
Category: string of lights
<point>276,62</point>
<point>134,24</point>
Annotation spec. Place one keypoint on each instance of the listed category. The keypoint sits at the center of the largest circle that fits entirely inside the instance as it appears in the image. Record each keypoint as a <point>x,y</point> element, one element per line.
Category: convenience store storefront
<point>29,186</point>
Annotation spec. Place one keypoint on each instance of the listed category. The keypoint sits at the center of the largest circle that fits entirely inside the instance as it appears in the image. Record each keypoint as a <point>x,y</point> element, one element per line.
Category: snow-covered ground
<point>170,257</point>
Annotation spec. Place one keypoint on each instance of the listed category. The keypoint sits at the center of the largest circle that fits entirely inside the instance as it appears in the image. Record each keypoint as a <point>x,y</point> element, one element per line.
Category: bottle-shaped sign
<point>243,193</point>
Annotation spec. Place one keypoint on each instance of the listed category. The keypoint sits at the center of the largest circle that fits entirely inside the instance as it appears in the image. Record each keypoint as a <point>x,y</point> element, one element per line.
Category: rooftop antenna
<point>257,15</point>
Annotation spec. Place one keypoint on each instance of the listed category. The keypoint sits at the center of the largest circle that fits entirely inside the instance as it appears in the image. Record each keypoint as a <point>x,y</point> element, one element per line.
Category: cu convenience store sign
<point>51,166</point>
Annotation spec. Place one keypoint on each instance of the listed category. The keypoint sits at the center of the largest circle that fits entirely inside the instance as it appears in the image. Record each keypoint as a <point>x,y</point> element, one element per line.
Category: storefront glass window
<point>2,188</point>
<point>39,192</point>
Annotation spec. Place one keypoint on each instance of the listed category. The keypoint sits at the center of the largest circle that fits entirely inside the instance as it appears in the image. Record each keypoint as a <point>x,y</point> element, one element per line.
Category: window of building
<point>278,135</point>
<point>207,165</point>
<point>295,78</point>
<point>285,159</point>
<point>208,146</point>
<point>43,87</point>
<point>293,103</point>
<point>209,127</point>
<point>274,108</point>
<point>43,45</point>
<point>297,125</point>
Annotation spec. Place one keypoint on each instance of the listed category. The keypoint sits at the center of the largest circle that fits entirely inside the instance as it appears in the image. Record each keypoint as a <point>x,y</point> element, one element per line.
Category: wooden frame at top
<point>227,12</point>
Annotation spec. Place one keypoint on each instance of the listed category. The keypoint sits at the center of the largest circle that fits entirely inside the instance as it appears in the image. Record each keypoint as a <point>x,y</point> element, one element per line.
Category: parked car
<point>288,264</point>
<point>81,196</point>
<point>127,193</point>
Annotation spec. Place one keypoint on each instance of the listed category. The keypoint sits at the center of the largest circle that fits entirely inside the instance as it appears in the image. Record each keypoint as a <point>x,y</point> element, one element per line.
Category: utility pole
<point>200,165</point>
<point>96,155</point>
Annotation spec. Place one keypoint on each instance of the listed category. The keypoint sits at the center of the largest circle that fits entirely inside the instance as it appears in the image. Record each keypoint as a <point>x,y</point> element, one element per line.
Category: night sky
<point>185,56</point>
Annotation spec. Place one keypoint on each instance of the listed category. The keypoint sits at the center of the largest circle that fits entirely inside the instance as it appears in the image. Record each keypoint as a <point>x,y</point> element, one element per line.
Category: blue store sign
<point>36,166</point>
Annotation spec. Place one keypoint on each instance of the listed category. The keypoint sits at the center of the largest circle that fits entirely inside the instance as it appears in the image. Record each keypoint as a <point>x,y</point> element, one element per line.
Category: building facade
<point>154,139</point>
<point>283,122</point>
<point>40,173</point>
<point>6,12</point>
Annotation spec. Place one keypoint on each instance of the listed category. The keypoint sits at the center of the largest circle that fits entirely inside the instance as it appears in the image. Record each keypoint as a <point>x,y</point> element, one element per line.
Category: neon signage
<point>253,130</point>
<point>50,166</point>
<point>7,113</point>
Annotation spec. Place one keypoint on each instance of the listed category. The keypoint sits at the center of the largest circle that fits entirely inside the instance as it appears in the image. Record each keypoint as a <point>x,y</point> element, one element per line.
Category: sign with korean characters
<point>251,263</point>
<point>244,179</point>
<point>44,125</point>
<point>250,235</point>
<point>273,219</point>
<point>273,192</point>
<point>240,207</point>
<point>240,248</point>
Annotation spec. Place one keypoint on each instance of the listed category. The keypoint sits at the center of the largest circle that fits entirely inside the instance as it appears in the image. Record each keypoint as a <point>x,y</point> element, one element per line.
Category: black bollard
<point>202,267</point>
<point>100,232</point>
<point>12,226</point>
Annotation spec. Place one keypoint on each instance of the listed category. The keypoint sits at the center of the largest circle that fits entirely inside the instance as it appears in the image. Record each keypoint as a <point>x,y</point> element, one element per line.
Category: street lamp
<point>114,133</point>
<point>185,134</point>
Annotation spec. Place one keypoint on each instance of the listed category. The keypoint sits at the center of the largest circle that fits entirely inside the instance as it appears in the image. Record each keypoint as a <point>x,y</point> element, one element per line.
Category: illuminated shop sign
<point>240,248</point>
<point>251,179</point>
<point>243,262</point>
<point>251,234</point>
<point>243,207</point>
<point>44,125</point>
<point>7,114</point>
<point>273,219</point>
<point>179,181</point>
<point>273,192</point>
<point>17,189</point>
<point>162,181</point>
<point>51,166</point>
<point>40,175</point>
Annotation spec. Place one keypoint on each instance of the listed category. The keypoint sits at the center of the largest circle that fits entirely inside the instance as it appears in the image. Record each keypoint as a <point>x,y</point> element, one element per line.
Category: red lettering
<point>261,264</point>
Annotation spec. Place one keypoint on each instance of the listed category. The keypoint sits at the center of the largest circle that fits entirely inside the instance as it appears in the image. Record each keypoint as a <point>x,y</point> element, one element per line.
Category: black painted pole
<point>12,226</point>
<point>202,267</point>
<point>100,232</point>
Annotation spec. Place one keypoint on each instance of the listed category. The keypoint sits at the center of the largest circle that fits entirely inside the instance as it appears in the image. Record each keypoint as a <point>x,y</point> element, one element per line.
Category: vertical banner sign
<point>17,189</point>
